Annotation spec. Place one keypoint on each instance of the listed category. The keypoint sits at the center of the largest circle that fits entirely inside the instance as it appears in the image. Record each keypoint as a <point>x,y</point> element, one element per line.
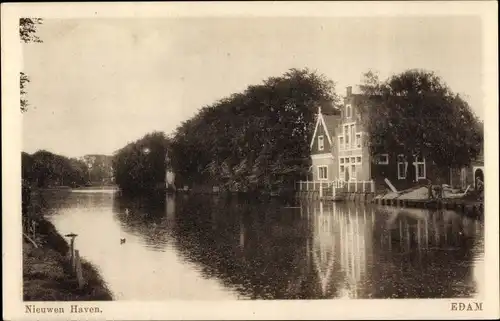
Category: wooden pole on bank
<point>78,270</point>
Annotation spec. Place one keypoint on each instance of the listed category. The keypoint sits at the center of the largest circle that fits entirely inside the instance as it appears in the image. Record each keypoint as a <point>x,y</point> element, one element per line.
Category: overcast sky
<point>98,84</point>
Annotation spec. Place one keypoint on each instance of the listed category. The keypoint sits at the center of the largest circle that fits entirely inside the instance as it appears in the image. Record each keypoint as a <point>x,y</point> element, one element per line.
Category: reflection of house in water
<point>418,229</point>
<point>340,246</point>
<point>170,208</point>
<point>423,254</point>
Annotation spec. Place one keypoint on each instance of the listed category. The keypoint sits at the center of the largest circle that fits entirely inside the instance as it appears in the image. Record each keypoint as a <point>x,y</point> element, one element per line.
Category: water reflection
<point>241,248</point>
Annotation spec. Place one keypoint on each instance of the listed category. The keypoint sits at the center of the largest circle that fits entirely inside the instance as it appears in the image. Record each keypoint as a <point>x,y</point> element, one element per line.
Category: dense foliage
<point>254,140</point>
<point>417,113</point>
<point>45,169</point>
<point>140,165</point>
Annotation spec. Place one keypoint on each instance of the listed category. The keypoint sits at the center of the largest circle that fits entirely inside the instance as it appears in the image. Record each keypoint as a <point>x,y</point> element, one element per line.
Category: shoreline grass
<point>47,272</point>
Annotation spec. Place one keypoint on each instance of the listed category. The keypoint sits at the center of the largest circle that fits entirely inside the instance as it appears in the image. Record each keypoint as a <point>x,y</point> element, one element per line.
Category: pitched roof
<point>328,121</point>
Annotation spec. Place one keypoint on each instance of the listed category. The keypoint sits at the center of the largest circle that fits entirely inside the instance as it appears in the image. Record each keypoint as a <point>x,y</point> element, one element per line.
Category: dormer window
<point>348,111</point>
<point>321,142</point>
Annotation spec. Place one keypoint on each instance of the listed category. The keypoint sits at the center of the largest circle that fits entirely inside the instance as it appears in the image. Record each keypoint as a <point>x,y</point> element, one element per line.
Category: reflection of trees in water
<point>322,250</point>
<point>423,254</point>
<point>54,200</point>
<point>146,217</point>
<point>256,249</point>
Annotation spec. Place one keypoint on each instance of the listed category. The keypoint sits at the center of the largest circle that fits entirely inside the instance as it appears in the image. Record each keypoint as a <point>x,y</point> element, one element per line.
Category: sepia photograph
<point>250,158</point>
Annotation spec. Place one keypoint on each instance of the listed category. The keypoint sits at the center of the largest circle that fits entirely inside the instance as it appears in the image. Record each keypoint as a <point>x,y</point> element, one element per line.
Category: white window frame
<point>347,134</point>
<point>379,161</point>
<point>354,171</point>
<point>358,140</point>
<point>352,128</point>
<point>342,171</point>
<point>348,111</point>
<point>400,163</point>
<point>341,142</point>
<point>416,164</point>
<point>319,172</point>
<point>321,142</point>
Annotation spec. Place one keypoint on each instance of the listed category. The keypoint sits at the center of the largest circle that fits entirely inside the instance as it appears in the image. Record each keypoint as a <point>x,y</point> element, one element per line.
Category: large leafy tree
<point>141,165</point>
<point>27,33</point>
<point>415,112</point>
<point>254,140</point>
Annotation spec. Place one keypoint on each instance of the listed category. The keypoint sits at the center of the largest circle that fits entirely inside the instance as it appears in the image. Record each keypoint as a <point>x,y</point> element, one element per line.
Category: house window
<point>353,135</point>
<point>382,159</point>
<point>342,172</point>
<point>402,167</point>
<point>348,111</point>
<point>353,160</point>
<point>358,140</point>
<point>353,172</point>
<point>341,142</point>
<point>346,135</point>
<point>322,172</point>
<point>347,159</point>
<point>419,167</point>
<point>321,142</point>
<point>358,160</point>
<point>341,160</point>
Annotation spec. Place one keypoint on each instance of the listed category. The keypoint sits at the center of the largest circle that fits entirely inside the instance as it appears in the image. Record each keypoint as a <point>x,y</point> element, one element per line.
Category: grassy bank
<point>47,272</point>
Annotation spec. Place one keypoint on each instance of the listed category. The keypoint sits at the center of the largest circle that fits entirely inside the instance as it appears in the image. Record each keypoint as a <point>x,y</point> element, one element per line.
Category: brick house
<point>339,151</point>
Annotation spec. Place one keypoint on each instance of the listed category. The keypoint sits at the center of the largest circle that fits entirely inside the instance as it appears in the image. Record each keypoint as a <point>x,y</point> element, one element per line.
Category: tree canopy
<point>140,165</point>
<point>254,140</point>
<point>45,169</point>
<point>416,112</point>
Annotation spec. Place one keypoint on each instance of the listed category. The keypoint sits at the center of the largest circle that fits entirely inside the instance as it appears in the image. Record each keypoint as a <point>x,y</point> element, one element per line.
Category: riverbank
<point>47,271</point>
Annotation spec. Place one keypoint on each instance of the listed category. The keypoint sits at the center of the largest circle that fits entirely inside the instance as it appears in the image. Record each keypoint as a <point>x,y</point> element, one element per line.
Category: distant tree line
<point>140,165</point>
<point>45,169</point>
<point>100,169</point>
<point>257,140</point>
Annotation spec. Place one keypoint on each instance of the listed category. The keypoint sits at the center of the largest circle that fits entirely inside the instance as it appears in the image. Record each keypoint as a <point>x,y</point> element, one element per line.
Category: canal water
<point>210,248</point>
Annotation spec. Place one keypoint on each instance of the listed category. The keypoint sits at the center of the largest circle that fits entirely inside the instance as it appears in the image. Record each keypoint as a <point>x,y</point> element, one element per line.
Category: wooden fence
<point>333,188</point>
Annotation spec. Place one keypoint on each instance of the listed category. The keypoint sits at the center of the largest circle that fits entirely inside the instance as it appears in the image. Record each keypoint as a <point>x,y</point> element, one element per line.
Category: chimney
<point>349,91</point>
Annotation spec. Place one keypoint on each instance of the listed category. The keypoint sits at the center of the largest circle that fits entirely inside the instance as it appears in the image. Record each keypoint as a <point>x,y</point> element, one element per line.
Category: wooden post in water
<point>78,269</point>
<point>373,186</point>
<point>320,189</point>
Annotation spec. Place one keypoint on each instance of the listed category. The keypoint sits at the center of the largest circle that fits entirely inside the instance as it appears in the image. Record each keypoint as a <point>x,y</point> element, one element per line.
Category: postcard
<point>261,160</point>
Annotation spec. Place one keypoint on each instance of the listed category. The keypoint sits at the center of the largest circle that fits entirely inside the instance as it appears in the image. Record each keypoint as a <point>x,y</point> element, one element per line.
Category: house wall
<point>326,160</point>
<point>346,141</point>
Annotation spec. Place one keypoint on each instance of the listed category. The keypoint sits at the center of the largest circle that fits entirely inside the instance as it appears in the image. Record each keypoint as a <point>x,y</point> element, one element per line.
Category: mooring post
<point>320,189</point>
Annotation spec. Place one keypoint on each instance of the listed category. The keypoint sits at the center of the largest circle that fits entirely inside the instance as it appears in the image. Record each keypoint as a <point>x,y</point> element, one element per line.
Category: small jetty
<point>364,192</point>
